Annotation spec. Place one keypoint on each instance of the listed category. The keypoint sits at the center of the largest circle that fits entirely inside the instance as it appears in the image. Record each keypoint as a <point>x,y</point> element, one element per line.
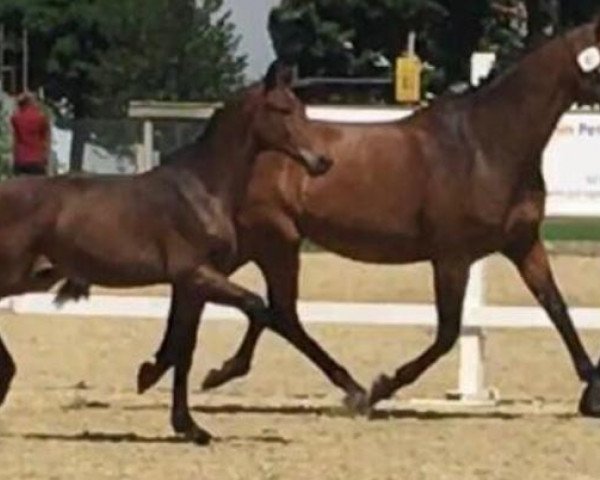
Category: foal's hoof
<point>381,389</point>
<point>148,375</point>
<point>589,405</point>
<point>192,432</point>
<point>198,435</point>
<point>357,402</point>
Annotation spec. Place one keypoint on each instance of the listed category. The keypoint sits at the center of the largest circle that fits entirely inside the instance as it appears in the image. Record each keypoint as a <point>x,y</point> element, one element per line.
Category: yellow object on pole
<point>408,79</point>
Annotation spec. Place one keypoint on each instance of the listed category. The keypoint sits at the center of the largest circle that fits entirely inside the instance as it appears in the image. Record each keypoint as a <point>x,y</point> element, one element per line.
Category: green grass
<point>569,230</point>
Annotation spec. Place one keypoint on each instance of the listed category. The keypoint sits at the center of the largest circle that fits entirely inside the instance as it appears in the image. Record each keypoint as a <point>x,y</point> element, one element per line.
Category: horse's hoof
<point>148,375</point>
<point>381,389</point>
<point>589,405</point>
<point>357,402</point>
<point>214,378</point>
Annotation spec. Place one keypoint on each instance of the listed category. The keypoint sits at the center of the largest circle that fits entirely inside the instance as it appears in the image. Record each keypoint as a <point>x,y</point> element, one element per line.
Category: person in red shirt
<point>31,138</point>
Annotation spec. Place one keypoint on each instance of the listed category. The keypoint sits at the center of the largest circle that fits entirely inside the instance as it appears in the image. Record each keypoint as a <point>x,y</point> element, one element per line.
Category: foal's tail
<point>71,290</point>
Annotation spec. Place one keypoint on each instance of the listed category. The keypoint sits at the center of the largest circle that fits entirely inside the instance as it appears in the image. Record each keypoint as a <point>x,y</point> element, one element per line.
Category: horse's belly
<point>106,250</point>
<point>130,265</point>
<point>373,245</point>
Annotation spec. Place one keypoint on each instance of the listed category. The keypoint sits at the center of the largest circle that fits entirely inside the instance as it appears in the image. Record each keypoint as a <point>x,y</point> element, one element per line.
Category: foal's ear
<point>279,75</point>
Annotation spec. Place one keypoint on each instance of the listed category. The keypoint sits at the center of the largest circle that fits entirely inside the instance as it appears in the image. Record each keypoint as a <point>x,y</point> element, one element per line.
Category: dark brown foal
<point>171,225</point>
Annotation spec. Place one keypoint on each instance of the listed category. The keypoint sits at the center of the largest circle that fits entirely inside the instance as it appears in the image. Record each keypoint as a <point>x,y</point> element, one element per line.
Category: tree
<point>348,38</point>
<point>574,12</point>
<point>93,56</point>
<point>164,50</point>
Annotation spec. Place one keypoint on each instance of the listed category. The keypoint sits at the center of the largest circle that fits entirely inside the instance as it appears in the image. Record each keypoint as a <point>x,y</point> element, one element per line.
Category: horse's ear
<point>279,75</point>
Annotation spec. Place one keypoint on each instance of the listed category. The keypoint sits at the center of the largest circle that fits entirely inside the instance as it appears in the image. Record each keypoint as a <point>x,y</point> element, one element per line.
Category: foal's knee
<point>254,305</point>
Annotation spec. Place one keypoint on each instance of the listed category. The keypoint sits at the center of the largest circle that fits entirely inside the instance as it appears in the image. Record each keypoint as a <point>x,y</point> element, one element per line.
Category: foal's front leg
<point>205,285</point>
<point>150,373</point>
<point>184,318</point>
<point>8,369</point>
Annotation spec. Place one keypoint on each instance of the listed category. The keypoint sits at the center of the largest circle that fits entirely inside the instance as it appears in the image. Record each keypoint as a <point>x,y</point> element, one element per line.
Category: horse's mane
<point>497,75</point>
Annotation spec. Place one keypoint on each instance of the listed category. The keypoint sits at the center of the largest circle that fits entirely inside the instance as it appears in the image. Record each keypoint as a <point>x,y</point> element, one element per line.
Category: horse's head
<point>584,46</point>
<point>280,123</point>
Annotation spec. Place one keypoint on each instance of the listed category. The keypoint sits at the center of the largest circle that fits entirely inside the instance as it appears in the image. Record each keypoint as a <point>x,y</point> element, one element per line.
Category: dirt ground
<point>73,412</point>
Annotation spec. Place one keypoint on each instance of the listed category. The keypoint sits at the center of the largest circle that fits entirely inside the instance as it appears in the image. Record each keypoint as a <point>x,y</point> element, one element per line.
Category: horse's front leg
<point>529,256</point>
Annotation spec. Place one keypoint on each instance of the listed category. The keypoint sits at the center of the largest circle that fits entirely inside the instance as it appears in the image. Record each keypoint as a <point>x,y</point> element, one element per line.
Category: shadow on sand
<point>337,412</point>
<point>133,438</point>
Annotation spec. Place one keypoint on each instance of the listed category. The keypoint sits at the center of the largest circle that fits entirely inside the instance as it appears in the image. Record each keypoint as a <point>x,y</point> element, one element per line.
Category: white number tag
<point>589,59</point>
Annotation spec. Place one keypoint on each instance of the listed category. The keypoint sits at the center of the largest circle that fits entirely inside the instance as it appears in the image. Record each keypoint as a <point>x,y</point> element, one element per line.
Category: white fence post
<point>148,147</point>
<point>471,370</point>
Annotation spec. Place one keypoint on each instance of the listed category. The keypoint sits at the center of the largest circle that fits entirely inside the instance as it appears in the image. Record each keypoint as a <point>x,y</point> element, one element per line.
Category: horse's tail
<point>71,290</point>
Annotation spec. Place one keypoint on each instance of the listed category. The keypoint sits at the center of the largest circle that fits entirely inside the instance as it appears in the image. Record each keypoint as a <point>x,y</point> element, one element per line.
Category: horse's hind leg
<point>529,255</point>
<point>7,371</point>
<point>280,266</point>
<point>450,282</point>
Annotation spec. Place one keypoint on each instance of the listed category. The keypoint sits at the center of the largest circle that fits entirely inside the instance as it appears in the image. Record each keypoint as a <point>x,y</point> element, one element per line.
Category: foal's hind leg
<point>450,281</point>
<point>529,255</point>
<point>280,265</point>
<point>239,364</point>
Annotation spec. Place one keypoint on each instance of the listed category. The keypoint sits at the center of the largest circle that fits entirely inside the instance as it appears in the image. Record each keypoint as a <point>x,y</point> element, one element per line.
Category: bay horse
<point>454,182</point>
<point>174,224</point>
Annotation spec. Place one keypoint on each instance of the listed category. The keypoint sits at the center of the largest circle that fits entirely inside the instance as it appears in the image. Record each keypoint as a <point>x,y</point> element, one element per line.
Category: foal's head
<point>584,45</point>
<point>279,120</point>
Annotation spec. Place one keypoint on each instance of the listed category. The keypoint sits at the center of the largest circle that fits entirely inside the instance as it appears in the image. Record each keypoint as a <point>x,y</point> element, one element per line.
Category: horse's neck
<point>519,112</point>
<point>226,161</point>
